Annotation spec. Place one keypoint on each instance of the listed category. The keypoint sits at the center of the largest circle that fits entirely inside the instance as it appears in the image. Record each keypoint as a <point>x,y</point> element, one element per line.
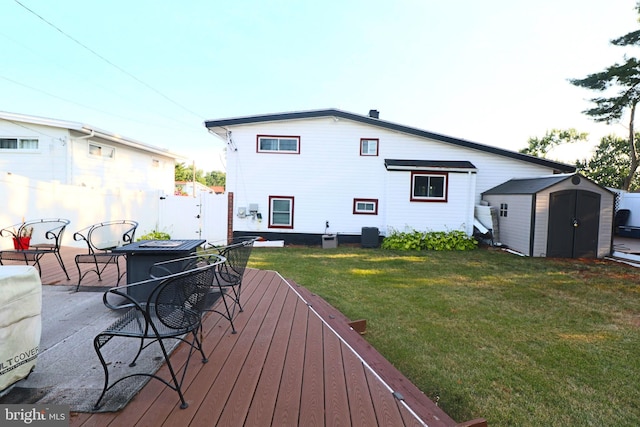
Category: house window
<point>18,144</point>
<point>102,151</point>
<point>280,212</point>
<point>365,206</point>
<point>504,209</point>
<point>369,147</point>
<point>278,144</point>
<point>429,187</point>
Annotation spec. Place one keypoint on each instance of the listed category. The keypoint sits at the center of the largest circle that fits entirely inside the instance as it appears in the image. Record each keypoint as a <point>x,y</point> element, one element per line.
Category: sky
<point>494,72</point>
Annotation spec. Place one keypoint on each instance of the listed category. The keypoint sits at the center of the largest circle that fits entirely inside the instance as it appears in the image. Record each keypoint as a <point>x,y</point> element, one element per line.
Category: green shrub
<point>155,235</point>
<point>414,240</point>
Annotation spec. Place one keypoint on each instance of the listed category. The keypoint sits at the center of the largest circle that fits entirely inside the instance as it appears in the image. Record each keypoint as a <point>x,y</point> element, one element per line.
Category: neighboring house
<point>185,188</point>
<point>296,176</point>
<point>564,215</point>
<point>77,154</point>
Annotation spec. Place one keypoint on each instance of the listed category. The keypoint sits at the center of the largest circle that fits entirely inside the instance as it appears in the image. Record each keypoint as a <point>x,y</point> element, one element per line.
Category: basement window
<point>365,206</point>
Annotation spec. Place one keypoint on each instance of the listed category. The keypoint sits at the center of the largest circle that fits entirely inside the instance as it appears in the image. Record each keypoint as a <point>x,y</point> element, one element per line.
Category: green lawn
<point>518,341</point>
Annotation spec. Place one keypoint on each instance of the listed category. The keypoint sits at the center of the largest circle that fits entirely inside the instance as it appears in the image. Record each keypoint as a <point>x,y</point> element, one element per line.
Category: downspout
<point>471,196</point>
<point>68,157</point>
<point>91,135</point>
<point>70,149</point>
<point>532,224</point>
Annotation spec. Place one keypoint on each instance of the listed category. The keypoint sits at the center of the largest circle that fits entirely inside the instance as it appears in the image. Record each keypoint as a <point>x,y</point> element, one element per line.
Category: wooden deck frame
<point>295,361</point>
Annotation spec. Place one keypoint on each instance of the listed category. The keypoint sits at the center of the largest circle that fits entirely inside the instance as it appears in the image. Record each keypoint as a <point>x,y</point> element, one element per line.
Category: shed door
<point>574,220</point>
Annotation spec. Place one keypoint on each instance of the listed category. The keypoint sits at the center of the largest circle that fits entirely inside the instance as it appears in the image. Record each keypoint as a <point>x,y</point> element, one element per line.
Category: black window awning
<point>430,165</point>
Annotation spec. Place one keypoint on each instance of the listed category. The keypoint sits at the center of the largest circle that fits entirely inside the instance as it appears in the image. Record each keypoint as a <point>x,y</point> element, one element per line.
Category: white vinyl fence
<point>26,199</point>
<point>200,217</point>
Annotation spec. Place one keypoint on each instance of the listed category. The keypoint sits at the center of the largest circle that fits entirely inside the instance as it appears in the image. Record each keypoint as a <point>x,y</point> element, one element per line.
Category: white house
<point>72,153</point>
<point>296,176</point>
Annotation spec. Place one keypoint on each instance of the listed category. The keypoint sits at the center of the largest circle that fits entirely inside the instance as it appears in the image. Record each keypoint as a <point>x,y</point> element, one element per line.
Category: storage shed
<point>562,215</point>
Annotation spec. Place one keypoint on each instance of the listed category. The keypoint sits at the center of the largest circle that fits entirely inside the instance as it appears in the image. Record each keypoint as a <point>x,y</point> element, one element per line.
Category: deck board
<point>248,377</point>
<point>264,398</point>
<point>361,408</point>
<point>337,403</point>
<point>312,400</point>
<point>387,412</point>
<point>288,401</point>
<point>294,361</point>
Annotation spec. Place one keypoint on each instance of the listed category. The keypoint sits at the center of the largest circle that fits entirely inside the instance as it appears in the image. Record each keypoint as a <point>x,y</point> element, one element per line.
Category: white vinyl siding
<point>514,228</point>
<point>47,162</point>
<point>62,156</point>
<point>404,214</point>
<point>329,172</point>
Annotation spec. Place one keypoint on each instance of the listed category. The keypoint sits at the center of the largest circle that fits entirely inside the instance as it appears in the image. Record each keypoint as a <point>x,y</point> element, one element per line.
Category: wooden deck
<point>294,361</point>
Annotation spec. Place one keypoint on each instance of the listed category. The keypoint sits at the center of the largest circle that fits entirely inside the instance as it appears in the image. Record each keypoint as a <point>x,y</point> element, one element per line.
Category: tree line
<point>615,161</point>
<point>213,178</point>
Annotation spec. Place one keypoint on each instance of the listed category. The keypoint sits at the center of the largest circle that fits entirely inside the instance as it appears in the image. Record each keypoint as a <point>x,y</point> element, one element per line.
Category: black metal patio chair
<point>33,239</point>
<point>100,239</point>
<point>230,275</point>
<point>173,310</point>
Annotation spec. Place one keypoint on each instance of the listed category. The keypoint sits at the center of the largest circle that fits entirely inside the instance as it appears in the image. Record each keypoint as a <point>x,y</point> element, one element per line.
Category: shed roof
<point>221,126</point>
<point>530,185</point>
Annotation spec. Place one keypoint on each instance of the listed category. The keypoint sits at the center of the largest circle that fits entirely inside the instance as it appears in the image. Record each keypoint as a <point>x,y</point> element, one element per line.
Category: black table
<point>143,254</point>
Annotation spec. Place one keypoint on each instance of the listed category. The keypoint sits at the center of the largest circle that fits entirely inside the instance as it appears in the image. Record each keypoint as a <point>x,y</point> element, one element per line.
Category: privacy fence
<point>182,217</point>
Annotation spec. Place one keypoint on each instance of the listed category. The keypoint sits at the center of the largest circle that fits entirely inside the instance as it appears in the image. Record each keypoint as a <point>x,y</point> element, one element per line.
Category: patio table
<point>142,255</point>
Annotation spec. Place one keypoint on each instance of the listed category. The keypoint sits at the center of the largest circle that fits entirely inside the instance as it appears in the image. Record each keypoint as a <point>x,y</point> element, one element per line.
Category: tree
<point>540,147</point>
<point>609,165</point>
<point>185,173</point>
<point>621,82</point>
<point>216,178</point>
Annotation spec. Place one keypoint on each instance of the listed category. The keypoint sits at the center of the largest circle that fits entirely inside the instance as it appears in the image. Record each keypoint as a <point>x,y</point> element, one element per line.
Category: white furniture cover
<point>20,322</point>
